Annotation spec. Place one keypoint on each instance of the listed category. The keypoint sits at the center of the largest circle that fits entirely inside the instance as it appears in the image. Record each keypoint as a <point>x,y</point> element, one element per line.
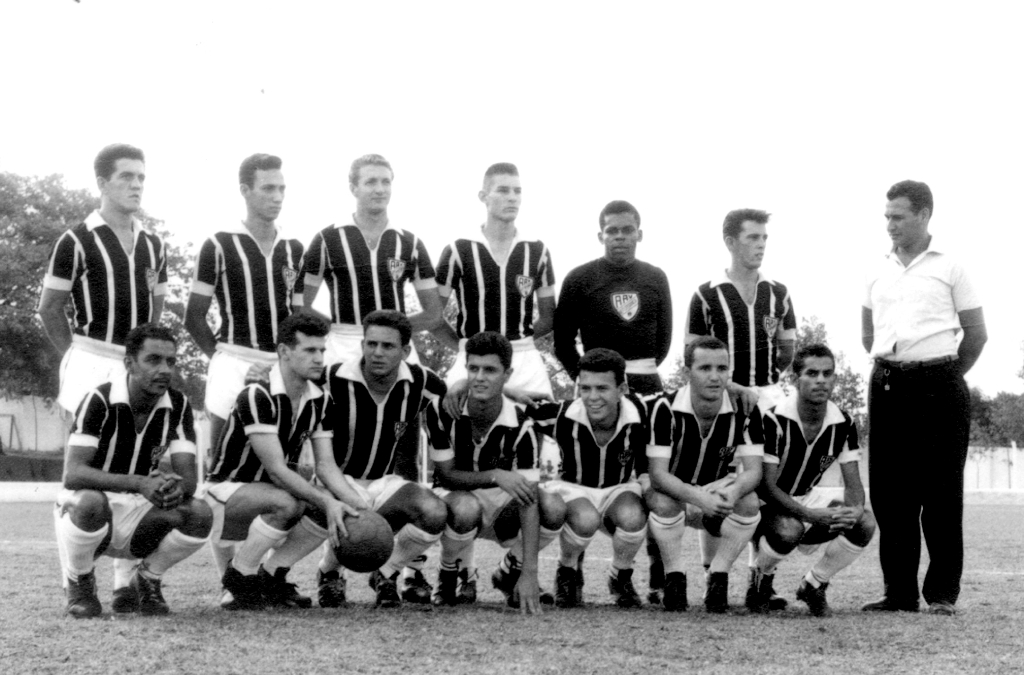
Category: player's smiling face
<point>265,198</point>
<point>487,377</point>
<point>383,350</point>
<point>306,358</point>
<point>906,228</point>
<point>709,374</point>
<point>123,190</point>
<point>620,235</point>
<point>150,371</point>
<point>373,190</point>
<point>748,248</point>
<point>817,379</point>
<point>601,396</point>
<point>502,196</point>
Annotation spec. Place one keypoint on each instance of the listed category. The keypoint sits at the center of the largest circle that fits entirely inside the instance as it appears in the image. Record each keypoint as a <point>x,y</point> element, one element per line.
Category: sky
<point>688,110</point>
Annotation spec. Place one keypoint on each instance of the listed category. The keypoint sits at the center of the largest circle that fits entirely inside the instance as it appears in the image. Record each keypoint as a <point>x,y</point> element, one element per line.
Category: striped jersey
<point>366,433</point>
<point>255,292</point>
<point>696,458</point>
<point>361,279</point>
<point>751,331</point>
<point>801,467</point>
<point>586,463</point>
<point>492,296</point>
<point>105,421</point>
<point>112,291</point>
<point>263,408</point>
<point>509,444</point>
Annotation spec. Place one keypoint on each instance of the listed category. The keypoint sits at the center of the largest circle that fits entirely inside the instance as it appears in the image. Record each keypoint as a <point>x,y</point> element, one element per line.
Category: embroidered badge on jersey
<point>396,268</point>
<point>152,276</point>
<point>626,454</point>
<point>726,453</point>
<point>155,455</point>
<point>771,324</point>
<point>626,304</point>
<point>290,276</point>
<point>525,285</point>
<point>826,462</point>
<point>400,428</point>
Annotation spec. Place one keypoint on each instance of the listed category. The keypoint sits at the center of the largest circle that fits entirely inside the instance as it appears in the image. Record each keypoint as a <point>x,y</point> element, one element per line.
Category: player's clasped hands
<point>521,488</point>
<point>714,503</point>
<point>162,489</point>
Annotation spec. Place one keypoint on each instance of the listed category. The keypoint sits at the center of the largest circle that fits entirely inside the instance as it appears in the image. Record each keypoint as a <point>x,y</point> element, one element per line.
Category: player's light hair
<point>733,225</point>
<point>261,161</point>
<point>708,342</point>
<point>367,160</point>
<point>307,324</point>
<point>499,169</point>
<point>811,351</point>
<point>615,207</point>
<point>601,360</point>
<point>389,318</point>
<point>137,337</point>
<point>106,160</point>
<point>489,342</point>
<point>918,193</point>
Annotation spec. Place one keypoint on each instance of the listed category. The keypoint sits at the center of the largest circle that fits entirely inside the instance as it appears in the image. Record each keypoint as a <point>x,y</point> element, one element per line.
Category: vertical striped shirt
<point>361,279</point>
<point>800,466</point>
<point>255,292</point>
<point>696,458</point>
<point>509,444</point>
<point>112,291</point>
<point>492,296</point>
<point>266,409</point>
<point>586,463</point>
<point>751,331</point>
<point>105,421</point>
<point>366,433</point>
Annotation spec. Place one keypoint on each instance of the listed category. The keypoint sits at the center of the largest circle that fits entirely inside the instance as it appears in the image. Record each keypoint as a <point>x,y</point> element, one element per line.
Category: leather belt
<point>915,365</point>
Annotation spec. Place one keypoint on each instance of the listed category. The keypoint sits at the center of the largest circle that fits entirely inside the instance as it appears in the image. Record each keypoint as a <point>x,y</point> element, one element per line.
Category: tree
<point>849,392</point>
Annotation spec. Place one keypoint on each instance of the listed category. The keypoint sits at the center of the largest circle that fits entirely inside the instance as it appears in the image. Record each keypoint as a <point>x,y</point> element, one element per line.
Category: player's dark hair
<point>816,350</point>
<point>734,220</point>
<point>500,169</point>
<point>390,318</point>
<point>615,207</point>
<point>106,161</point>
<point>367,160</point>
<point>146,331</point>
<point>261,161</point>
<point>709,342</point>
<point>918,193</point>
<point>601,360</point>
<point>490,342</point>
<point>307,324</point>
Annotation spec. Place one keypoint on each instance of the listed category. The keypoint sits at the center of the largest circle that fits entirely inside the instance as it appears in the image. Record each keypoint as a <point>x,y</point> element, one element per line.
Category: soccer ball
<point>369,542</point>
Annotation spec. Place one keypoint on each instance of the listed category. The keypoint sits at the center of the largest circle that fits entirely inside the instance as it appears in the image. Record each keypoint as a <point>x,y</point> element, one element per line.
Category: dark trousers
<point>920,422</point>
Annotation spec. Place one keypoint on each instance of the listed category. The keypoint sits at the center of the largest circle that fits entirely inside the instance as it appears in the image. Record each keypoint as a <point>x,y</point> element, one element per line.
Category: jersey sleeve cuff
<point>260,429</point>
<point>84,440</point>
<point>56,283</point>
<point>186,447</point>
<point>202,288</point>
<point>160,289</point>
<point>312,280</point>
<point>424,284</point>
<point>751,450</point>
<point>659,451</point>
<point>546,292</point>
<point>298,300</point>
<point>323,433</point>
<point>788,334</point>
<point>771,459</point>
<point>847,456</point>
<point>442,455</point>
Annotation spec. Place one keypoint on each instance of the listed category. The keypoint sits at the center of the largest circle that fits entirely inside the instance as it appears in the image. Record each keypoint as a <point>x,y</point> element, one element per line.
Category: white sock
<point>173,548</point>
<point>303,539</point>
<point>80,546</point>
<point>572,546</point>
<point>736,533</point>
<point>410,541</point>
<point>223,551</point>
<point>625,546</point>
<point>454,545</point>
<point>124,568</point>
<point>767,558</point>
<point>839,554</point>
<point>544,539</point>
<point>708,547</point>
<point>261,538</point>
<point>668,532</point>
<point>62,553</point>
<point>328,561</point>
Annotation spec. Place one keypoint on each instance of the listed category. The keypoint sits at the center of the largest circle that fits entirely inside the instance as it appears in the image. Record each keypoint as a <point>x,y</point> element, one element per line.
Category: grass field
<point>987,636</point>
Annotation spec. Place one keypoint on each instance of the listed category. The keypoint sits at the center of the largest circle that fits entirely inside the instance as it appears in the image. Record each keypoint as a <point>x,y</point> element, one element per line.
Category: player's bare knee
<point>862,533</point>
<point>748,505</point>
<point>783,534</point>
<point>552,510</point>
<point>284,511</point>
<point>629,514</point>
<point>583,520</point>
<point>662,506</point>
<point>90,510</point>
<point>197,518</point>
<point>464,511</point>
<point>429,513</point>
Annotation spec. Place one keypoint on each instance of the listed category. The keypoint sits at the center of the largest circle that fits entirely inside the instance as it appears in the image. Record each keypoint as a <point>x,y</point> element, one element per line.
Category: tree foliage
<point>996,422</point>
<point>850,391</point>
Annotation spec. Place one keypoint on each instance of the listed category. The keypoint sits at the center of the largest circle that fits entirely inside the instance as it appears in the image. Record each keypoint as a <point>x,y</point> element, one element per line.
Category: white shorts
<point>529,374</point>
<point>600,498</point>
<point>216,495</point>
<point>127,509</point>
<point>345,342</point>
<point>376,493</point>
<point>225,377</point>
<point>493,500</point>
<point>87,364</point>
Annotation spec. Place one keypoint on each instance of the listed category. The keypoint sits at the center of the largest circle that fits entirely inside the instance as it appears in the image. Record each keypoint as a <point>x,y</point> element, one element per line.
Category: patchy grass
<point>985,637</point>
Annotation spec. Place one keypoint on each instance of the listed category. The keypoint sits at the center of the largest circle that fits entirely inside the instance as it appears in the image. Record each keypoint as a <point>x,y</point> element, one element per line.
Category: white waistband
<point>525,344</point>
<point>247,353</point>
<point>347,330</point>
<point>642,367</point>
<point>98,347</point>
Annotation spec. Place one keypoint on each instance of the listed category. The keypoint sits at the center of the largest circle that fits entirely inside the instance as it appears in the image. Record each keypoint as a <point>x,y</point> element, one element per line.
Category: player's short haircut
<point>708,342</point>
<point>106,161</point>
<point>734,220</point>
<point>390,318</point>
<point>307,324</point>
<point>367,160</point>
<point>918,193</point>
<point>146,331</point>
<point>500,169</point>
<point>490,342</point>
<point>601,360</point>
<point>616,207</point>
<point>816,350</point>
<point>261,161</point>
